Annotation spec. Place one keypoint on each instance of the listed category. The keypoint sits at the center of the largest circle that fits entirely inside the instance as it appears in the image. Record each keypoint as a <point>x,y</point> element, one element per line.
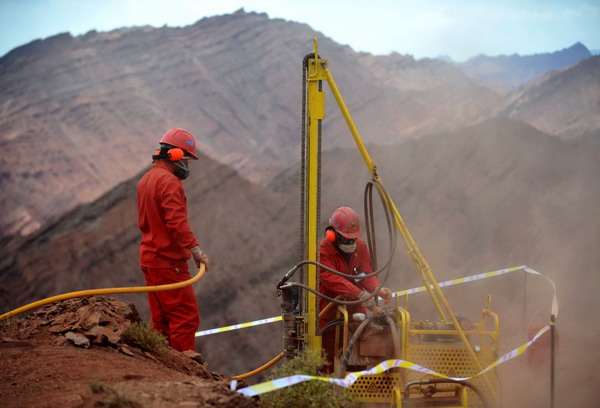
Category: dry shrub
<point>312,394</point>
<point>144,336</point>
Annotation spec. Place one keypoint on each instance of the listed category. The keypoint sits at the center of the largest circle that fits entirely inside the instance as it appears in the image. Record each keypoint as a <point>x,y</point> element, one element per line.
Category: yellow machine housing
<point>434,345</point>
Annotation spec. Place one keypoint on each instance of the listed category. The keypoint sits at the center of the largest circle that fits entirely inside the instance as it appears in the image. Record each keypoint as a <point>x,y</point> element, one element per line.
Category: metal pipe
<point>552,332</point>
<point>446,381</point>
<point>344,312</point>
<point>329,305</point>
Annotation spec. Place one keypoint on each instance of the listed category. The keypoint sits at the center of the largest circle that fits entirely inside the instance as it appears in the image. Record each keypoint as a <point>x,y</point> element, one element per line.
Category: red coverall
<point>332,285</point>
<point>164,251</point>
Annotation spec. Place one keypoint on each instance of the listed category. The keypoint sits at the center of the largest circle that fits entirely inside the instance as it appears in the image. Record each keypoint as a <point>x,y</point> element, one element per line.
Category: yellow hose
<point>105,291</point>
<point>260,369</point>
<point>282,354</point>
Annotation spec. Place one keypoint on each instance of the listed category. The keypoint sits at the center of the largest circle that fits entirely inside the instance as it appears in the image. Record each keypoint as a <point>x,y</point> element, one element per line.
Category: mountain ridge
<point>513,71</point>
<point>81,114</point>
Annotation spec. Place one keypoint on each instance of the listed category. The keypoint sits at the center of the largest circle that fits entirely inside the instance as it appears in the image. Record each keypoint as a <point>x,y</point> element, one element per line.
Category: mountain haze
<point>515,70</point>
<point>494,195</point>
<point>565,102</point>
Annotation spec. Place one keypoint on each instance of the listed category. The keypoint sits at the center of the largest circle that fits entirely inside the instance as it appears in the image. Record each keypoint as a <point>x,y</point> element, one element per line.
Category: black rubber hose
<point>332,323</point>
<point>355,337</point>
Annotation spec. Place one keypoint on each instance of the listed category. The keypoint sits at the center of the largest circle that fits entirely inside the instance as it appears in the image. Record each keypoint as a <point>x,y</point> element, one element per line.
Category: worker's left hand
<point>199,257</point>
<point>386,294</point>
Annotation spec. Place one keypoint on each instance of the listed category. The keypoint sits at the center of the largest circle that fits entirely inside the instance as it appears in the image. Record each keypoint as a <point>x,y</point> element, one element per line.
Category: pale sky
<point>423,28</point>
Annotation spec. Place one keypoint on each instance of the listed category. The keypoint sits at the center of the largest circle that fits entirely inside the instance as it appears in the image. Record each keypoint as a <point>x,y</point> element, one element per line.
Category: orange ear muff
<point>330,235</point>
<point>171,154</point>
<point>175,154</point>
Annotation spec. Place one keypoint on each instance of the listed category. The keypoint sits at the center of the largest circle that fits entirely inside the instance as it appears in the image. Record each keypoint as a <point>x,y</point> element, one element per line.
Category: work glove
<point>386,294</point>
<point>370,303</point>
<point>199,257</point>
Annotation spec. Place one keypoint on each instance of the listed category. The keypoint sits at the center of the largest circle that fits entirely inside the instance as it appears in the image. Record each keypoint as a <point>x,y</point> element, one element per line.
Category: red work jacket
<point>332,285</point>
<point>162,218</point>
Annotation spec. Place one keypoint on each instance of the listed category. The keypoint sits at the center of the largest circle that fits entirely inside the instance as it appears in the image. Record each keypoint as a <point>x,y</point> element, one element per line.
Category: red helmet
<point>345,221</point>
<point>181,138</point>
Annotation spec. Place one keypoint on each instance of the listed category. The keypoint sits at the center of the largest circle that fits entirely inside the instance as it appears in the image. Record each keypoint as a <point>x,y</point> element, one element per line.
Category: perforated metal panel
<point>453,361</point>
<point>377,387</point>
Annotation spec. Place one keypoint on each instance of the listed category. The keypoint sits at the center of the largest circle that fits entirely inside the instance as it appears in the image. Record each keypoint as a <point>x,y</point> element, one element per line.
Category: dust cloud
<point>493,196</point>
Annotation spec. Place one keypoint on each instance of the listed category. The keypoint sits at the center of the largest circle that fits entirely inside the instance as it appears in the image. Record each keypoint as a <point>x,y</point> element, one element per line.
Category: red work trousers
<point>174,313</point>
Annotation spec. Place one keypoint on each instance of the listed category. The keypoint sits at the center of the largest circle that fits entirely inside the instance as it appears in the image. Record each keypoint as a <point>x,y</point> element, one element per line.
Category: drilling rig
<point>453,345</point>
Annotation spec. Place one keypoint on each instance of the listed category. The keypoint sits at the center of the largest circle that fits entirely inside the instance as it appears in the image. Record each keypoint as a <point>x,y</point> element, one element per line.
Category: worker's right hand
<point>368,303</point>
<point>199,257</point>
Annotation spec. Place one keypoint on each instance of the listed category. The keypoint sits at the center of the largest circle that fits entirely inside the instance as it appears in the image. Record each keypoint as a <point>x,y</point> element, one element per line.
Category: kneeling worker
<point>343,251</point>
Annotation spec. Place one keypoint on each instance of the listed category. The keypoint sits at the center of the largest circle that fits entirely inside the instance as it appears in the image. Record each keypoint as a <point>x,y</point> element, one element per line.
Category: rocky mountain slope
<point>512,71</point>
<point>564,102</point>
<point>78,353</point>
<point>81,114</point>
<point>494,195</point>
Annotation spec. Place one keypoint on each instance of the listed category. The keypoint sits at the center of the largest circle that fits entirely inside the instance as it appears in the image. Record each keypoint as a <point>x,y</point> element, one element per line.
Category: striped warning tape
<point>400,293</point>
<point>238,326</point>
<point>388,364</point>
<point>378,369</point>
<point>466,279</point>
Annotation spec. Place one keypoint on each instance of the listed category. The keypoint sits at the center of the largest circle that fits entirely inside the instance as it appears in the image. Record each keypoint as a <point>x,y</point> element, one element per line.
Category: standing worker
<point>343,251</point>
<point>167,240</point>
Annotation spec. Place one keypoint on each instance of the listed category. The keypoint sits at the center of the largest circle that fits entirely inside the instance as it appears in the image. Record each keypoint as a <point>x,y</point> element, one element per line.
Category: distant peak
<point>578,46</point>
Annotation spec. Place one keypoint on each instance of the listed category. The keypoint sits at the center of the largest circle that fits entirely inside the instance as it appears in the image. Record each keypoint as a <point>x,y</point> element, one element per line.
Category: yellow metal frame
<point>316,113</point>
<point>317,72</point>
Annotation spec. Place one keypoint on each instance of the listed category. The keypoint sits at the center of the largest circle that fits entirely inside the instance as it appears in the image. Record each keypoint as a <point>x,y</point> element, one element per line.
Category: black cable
<point>332,323</point>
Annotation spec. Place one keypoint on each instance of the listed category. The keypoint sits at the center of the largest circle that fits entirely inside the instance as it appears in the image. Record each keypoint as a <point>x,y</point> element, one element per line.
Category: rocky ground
<point>71,354</point>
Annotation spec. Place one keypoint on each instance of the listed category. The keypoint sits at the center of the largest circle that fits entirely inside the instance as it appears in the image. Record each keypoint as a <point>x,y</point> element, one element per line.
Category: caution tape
<point>238,326</point>
<point>384,366</point>
<point>466,279</point>
<point>399,293</point>
<point>554,308</point>
<point>389,364</point>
